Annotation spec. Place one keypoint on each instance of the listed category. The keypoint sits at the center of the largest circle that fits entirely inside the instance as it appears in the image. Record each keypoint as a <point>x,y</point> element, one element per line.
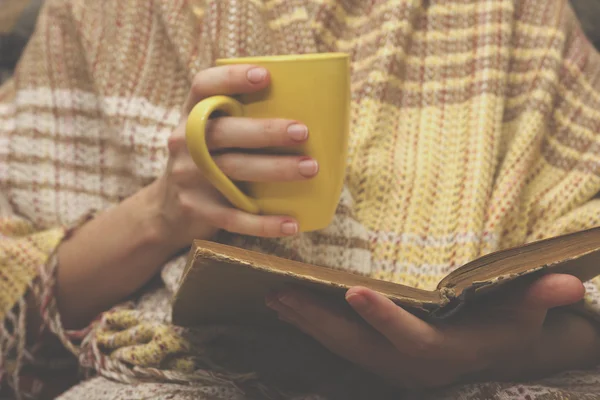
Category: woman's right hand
<point>113,255</point>
<point>188,206</point>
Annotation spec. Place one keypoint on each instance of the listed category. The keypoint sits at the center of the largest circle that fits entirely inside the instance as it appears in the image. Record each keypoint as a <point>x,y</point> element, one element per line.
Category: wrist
<point>154,220</point>
<point>108,259</point>
<point>170,223</point>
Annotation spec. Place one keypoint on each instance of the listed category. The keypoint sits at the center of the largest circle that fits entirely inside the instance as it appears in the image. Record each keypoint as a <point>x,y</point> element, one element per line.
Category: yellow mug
<point>313,89</point>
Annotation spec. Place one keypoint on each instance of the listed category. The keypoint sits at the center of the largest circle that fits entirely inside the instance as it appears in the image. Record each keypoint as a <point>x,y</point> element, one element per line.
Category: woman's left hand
<point>516,337</point>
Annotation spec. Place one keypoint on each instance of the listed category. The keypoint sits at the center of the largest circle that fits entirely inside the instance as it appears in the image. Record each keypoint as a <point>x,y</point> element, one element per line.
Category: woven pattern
<point>474,128</point>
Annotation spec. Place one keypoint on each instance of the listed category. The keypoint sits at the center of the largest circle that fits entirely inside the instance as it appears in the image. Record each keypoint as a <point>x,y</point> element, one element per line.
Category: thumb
<point>554,290</point>
<point>176,141</point>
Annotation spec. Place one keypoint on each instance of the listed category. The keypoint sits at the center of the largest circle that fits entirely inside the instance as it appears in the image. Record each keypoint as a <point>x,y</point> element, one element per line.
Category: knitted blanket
<point>474,127</point>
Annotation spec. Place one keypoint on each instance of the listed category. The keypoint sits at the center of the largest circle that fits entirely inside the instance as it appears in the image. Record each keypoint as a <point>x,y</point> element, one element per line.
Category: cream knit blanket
<point>475,127</point>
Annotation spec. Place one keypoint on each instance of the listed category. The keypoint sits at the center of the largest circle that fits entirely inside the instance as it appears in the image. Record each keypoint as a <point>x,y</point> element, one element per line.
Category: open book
<point>224,284</point>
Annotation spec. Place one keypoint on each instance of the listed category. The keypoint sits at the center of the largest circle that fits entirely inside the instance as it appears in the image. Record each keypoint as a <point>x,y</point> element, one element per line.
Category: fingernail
<point>358,302</point>
<point>257,75</point>
<point>289,228</point>
<point>298,132</point>
<point>308,168</point>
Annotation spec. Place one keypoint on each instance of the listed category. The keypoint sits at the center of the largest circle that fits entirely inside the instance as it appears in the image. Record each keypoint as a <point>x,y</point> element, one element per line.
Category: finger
<point>408,333</point>
<point>184,171</point>
<point>346,337</point>
<point>237,221</point>
<point>532,301</point>
<point>266,168</point>
<point>554,290</point>
<point>226,80</point>
<point>550,291</point>
<point>176,142</point>
<point>250,133</point>
<point>208,204</point>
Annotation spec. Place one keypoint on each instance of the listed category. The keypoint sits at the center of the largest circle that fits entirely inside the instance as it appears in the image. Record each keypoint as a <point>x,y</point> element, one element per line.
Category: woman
<point>474,129</point>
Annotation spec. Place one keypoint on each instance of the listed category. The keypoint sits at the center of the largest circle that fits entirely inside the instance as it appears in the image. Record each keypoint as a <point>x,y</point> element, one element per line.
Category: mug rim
<point>284,58</point>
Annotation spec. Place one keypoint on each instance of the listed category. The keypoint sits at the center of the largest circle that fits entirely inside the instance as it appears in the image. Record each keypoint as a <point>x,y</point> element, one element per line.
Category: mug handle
<point>195,136</point>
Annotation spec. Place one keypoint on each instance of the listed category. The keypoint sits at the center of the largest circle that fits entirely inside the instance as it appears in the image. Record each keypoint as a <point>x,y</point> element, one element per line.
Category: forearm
<point>108,259</point>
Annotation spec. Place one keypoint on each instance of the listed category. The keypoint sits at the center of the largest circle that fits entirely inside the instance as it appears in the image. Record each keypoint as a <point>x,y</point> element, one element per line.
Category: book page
<point>563,251</point>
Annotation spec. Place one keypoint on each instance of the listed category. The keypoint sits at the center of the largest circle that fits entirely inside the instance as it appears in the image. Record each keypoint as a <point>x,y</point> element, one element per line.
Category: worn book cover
<point>224,284</point>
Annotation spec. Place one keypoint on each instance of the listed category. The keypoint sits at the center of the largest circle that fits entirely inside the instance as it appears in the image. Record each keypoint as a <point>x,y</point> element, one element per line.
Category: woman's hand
<point>115,254</point>
<point>189,206</point>
<point>513,338</point>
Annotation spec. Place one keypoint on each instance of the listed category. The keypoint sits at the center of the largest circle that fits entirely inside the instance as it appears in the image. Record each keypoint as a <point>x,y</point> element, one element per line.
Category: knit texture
<point>474,128</point>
